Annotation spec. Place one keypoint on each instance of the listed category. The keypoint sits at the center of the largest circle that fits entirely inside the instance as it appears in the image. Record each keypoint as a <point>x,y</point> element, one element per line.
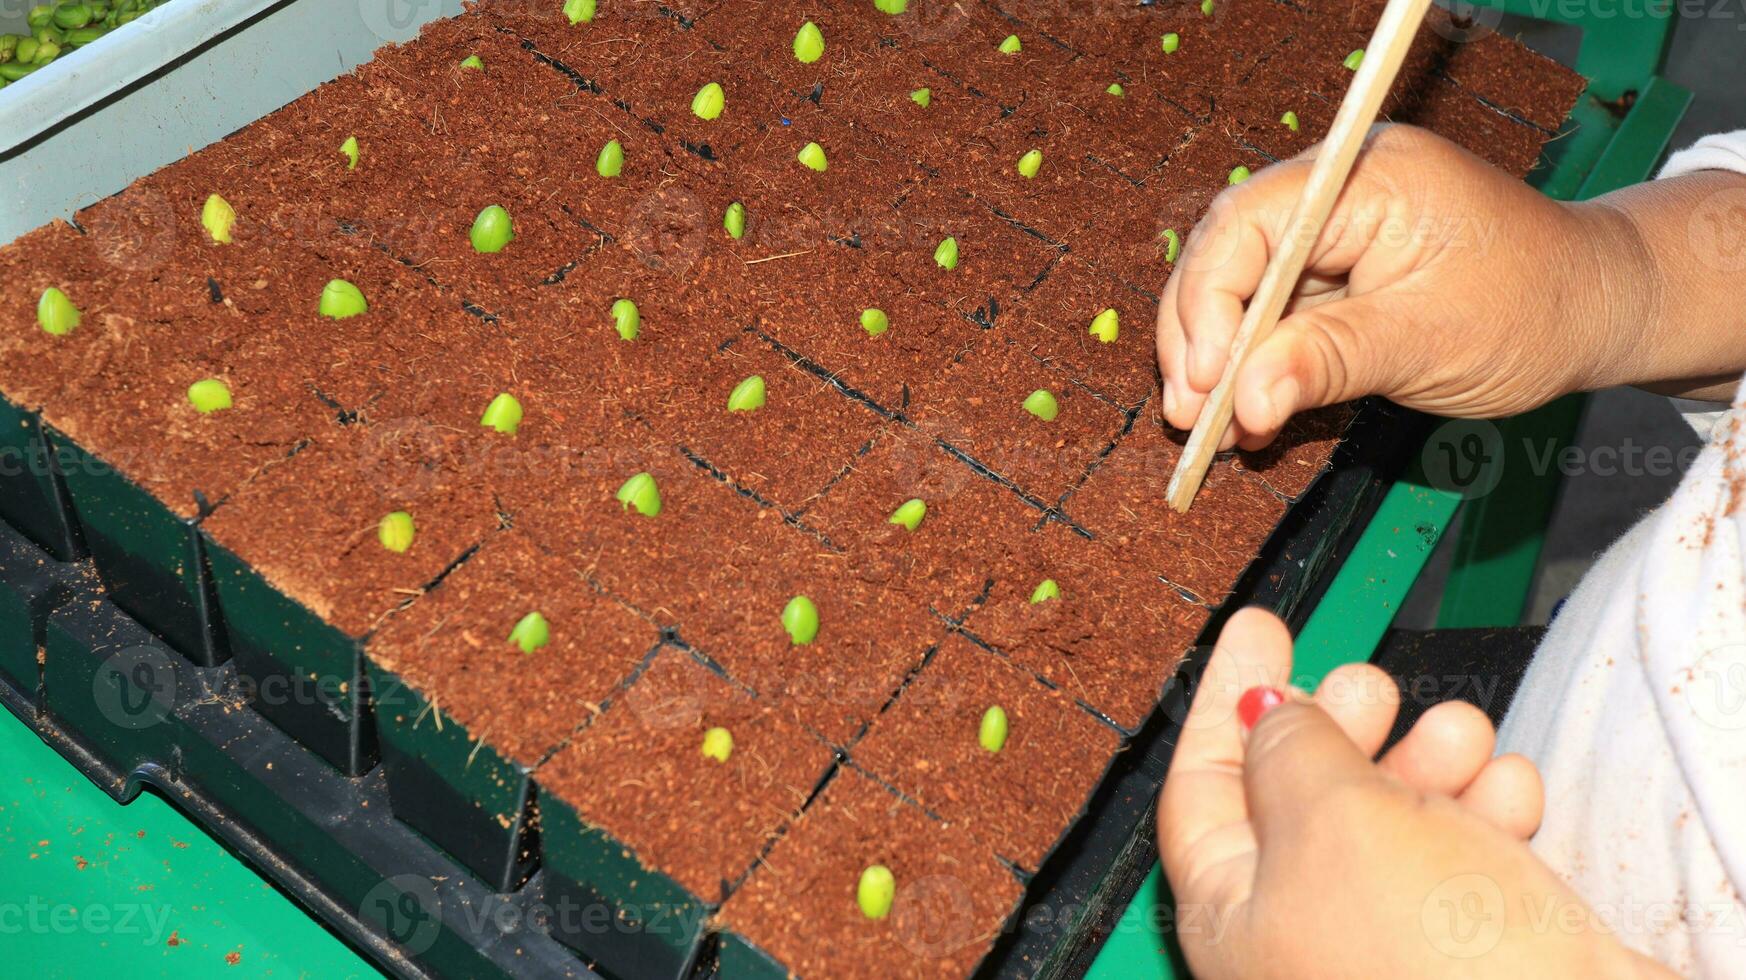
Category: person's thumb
<point>1331,353</point>
<point>1296,754</point>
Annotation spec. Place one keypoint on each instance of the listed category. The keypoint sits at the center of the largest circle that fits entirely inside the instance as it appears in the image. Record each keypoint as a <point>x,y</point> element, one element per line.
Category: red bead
<point>1257,701</point>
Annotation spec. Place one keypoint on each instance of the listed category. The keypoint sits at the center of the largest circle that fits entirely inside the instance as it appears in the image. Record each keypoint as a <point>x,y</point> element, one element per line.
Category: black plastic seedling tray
<point>470,898</point>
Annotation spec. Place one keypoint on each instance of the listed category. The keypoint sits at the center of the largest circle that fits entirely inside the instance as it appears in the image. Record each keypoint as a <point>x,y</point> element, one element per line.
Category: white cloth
<point>1635,706</point>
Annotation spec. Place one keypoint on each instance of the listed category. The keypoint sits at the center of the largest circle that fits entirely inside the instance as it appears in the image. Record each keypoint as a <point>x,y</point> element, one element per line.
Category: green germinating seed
<point>209,395</point>
<point>875,891</point>
<point>748,395</point>
<point>627,319</point>
<point>874,321</point>
<point>531,632</point>
<point>1115,89</point>
<point>709,102</point>
<point>1043,405</point>
<point>396,532</point>
<point>217,217</point>
<point>610,163</point>
<point>503,414</point>
<point>800,620</point>
<point>349,150</point>
<point>579,11</point>
<point>923,97</point>
<point>472,61</point>
<point>991,734</point>
<point>1012,45</point>
<point>1238,175</point>
<point>1031,163</point>
<point>946,254</point>
<point>735,221</point>
<point>1172,42</point>
<point>809,43</point>
<point>1106,326</point>
<point>640,492</point>
<point>1172,245</point>
<point>718,744</point>
<point>340,299</point>
<point>1045,590</point>
<point>909,515</point>
<point>1354,59</point>
<point>1289,120</point>
<point>492,230</point>
<point>812,156</point>
<point>1206,8</point>
<point>55,313</point>
<point>891,6</point>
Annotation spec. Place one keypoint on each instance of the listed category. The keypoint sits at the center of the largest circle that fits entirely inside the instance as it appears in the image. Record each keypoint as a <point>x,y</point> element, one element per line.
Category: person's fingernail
<point>1169,401</point>
<point>1257,701</point>
<point>1282,396</point>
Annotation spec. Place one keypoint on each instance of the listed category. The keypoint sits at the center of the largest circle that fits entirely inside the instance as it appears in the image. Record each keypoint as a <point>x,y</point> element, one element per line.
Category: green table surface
<point>90,888</point>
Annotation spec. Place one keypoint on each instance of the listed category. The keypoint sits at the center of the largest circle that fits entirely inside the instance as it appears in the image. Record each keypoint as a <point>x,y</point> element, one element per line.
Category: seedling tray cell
<point>33,495</point>
<point>152,560</point>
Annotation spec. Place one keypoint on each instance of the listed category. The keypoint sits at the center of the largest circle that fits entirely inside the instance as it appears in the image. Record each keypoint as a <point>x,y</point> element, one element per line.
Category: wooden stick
<point>1333,164</point>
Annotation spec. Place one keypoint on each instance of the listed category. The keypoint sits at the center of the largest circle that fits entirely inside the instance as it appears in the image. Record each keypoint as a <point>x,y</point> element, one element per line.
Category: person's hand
<point>1291,854</point>
<point>1439,282</point>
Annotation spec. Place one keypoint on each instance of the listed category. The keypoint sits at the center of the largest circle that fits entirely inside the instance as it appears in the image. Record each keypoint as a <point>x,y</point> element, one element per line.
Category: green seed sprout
<point>923,97</point>
<point>579,11</point>
<point>1107,326</point>
<point>627,319</point>
<point>396,532</point>
<point>877,888</point>
<point>891,6</point>
<point>1042,404</point>
<point>1012,45</point>
<point>874,321</point>
<point>800,619</point>
<point>1172,245</point>
<point>349,150</point>
<point>1045,590</point>
<point>640,492</point>
<point>748,395</point>
<point>217,217</point>
<point>946,255</point>
<point>610,163</point>
<point>503,414</point>
<point>56,314</point>
<point>1115,89</point>
<point>1172,42</point>
<point>1206,8</point>
<point>1289,120</point>
<point>991,734</point>
<point>809,43</point>
<point>812,156</point>
<point>1239,174</point>
<point>473,61</point>
<point>340,299</point>
<point>709,102</point>
<point>492,230</point>
<point>1354,59</point>
<point>718,744</point>
<point>735,221</point>
<point>910,514</point>
<point>209,395</point>
<point>1030,163</point>
<point>531,632</point>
